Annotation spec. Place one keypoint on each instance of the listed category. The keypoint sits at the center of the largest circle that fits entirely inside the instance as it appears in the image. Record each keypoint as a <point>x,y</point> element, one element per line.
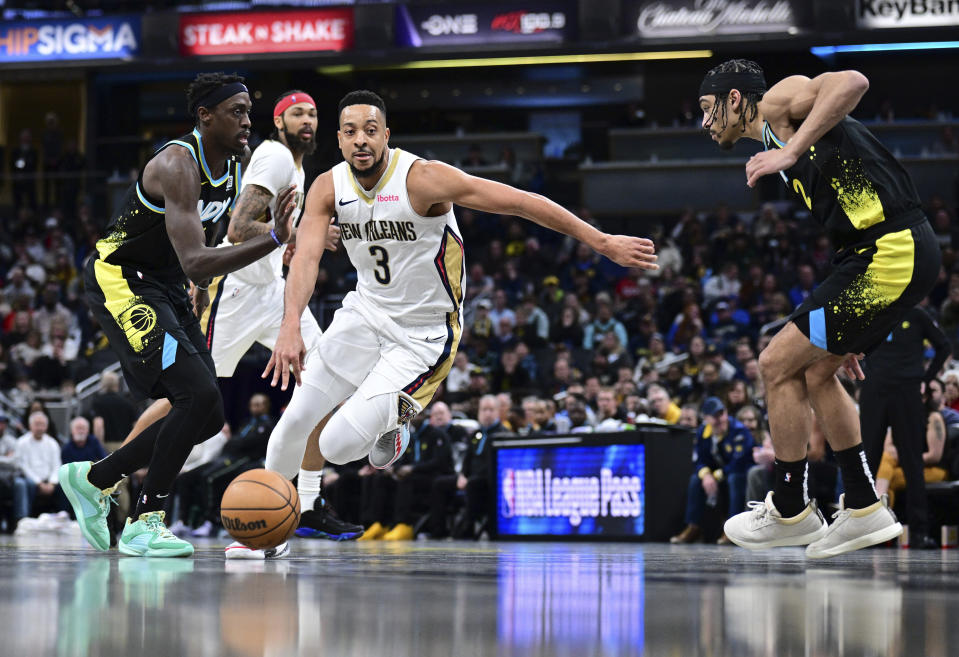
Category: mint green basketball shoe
<point>149,537</point>
<point>90,504</point>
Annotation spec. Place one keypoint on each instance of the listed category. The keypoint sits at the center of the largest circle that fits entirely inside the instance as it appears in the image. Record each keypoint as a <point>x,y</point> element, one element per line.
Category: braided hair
<point>202,85</point>
<point>750,98</point>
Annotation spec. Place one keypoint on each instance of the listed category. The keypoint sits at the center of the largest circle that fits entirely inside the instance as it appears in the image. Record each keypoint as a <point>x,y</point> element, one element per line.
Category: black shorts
<point>149,323</point>
<point>872,287</point>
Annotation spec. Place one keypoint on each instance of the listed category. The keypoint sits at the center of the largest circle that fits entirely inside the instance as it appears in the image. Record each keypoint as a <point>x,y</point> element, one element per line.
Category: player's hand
<point>200,299</point>
<point>631,251</point>
<point>288,354</point>
<point>285,205</point>
<point>333,237</point>
<point>767,162</point>
<point>852,367</point>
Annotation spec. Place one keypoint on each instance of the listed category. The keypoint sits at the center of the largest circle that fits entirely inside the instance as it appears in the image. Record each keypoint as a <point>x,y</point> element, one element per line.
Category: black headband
<point>744,81</point>
<point>218,95</point>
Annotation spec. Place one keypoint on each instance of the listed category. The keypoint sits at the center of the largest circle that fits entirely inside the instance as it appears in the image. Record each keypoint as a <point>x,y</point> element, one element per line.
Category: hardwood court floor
<point>424,599</point>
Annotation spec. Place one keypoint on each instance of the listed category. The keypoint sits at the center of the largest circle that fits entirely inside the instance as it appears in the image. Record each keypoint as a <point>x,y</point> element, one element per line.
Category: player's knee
<point>771,367</point>
<point>341,442</point>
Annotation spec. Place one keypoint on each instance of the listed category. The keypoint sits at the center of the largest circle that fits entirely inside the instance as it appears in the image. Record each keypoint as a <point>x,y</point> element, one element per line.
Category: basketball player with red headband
<point>247,305</point>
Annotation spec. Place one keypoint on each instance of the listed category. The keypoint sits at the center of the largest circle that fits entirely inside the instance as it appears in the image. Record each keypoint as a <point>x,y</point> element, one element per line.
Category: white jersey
<point>409,266</point>
<point>272,168</point>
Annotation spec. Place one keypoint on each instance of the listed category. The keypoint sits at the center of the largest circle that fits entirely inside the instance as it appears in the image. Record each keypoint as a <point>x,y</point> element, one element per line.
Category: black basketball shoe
<point>322,522</point>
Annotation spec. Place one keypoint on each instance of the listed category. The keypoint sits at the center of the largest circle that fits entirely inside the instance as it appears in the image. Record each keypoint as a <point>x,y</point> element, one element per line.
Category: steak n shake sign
<point>697,18</point>
<point>266,32</point>
<point>878,14</point>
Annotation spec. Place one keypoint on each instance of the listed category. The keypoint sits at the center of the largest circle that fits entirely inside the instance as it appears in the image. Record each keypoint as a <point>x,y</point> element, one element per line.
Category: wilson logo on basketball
<point>237,525</point>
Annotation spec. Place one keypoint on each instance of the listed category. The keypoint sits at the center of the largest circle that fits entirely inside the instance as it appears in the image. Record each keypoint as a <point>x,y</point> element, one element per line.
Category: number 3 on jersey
<point>382,271</point>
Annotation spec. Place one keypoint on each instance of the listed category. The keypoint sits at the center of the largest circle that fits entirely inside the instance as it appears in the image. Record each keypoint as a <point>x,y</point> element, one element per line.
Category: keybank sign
<point>879,14</point>
<point>56,40</point>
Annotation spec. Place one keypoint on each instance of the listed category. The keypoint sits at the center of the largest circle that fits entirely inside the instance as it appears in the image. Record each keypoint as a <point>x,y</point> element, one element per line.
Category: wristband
<point>275,238</point>
<point>200,287</point>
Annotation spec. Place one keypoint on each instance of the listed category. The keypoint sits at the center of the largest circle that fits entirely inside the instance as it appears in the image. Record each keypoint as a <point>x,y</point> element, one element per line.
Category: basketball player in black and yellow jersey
<point>136,286</point>
<point>887,260</point>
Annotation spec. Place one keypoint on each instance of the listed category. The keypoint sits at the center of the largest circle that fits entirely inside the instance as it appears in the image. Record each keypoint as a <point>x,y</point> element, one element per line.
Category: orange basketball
<point>260,509</point>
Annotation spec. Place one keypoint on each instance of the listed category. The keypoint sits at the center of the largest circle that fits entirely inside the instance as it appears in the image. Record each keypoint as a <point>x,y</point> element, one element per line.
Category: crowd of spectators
<point>563,339</point>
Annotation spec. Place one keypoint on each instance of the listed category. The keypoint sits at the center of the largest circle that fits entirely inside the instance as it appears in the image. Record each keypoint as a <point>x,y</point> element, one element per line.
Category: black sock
<point>790,490</point>
<point>856,478</point>
<point>126,460</point>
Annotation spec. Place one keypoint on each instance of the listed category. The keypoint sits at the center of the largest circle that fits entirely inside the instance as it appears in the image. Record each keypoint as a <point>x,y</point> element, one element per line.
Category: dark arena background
<point>575,519</point>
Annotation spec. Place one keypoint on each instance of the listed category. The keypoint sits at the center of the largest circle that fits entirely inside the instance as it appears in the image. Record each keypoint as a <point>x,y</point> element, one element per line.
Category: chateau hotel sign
<point>697,18</point>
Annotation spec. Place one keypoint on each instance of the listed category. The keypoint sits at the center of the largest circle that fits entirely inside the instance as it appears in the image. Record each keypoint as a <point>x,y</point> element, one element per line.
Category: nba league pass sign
<point>571,491</point>
<point>116,37</point>
<point>266,32</point>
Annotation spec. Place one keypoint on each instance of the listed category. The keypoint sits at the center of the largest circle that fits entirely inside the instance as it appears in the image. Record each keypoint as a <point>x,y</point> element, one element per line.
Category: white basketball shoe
<point>236,550</point>
<point>391,445</point>
<point>764,527</point>
<point>854,529</point>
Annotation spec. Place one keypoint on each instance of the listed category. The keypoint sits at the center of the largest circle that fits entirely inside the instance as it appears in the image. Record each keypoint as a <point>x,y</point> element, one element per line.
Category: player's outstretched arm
<point>435,182</point>
<point>245,221</point>
<point>289,351</point>
<point>818,103</point>
<point>176,179</point>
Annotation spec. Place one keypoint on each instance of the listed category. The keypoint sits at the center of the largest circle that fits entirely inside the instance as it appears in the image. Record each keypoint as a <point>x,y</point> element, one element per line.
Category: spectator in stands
<point>428,457</point>
<point>38,406</point>
<point>689,416</point>
<point>723,454</point>
<point>805,284</point>
<point>551,297</point>
<point>935,390</point>
<point>535,324</point>
<point>482,326</point>
<point>38,455</point>
<point>500,310</point>
<point>736,399</point>
<point>661,405</point>
<point>604,323</point>
<point>722,285</point>
<point>474,157</point>
<point>51,309</point>
<point>504,404</point>
<point>610,417</point>
<point>566,331</point>
<point>81,446</point>
<point>113,413</point>
<point>459,377</point>
<point>686,325</point>
<point>473,479</point>
<point>576,411</point>
<point>18,286</point>
<point>11,372</point>
<point>510,376</point>
<point>51,139</point>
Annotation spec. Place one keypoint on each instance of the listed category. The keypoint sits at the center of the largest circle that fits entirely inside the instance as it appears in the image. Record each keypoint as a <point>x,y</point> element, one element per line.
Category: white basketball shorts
<point>241,314</point>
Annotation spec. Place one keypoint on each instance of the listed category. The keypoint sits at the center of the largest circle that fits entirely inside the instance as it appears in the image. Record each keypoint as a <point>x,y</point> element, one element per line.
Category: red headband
<point>292,99</point>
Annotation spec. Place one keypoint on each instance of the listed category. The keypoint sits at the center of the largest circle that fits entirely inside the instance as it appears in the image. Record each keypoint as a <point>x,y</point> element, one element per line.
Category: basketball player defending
<point>248,304</point>
<point>887,261</point>
<point>136,286</point>
<point>393,341</point>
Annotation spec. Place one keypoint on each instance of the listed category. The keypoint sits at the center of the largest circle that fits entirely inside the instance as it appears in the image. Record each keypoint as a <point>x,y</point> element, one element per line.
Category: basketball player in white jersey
<point>394,340</point>
<point>247,305</point>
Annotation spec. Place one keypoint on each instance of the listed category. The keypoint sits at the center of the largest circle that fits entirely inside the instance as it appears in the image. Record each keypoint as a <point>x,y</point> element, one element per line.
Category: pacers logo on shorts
<point>137,322</point>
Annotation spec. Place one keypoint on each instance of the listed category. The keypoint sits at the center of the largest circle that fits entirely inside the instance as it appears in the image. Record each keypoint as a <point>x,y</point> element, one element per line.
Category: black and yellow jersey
<point>137,236</point>
<point>851,184</point>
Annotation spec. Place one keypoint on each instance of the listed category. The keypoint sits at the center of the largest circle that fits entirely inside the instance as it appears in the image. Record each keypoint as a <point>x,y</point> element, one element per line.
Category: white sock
<point>308,487</point>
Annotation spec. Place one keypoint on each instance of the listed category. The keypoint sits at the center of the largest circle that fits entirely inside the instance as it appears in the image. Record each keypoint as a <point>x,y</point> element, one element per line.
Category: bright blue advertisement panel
<point>571,491</point>
<point>115,37</point>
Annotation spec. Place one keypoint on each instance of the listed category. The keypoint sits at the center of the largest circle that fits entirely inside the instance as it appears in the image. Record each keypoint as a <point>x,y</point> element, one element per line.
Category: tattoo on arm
<point>940,431</point>
<point>250,206</point>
